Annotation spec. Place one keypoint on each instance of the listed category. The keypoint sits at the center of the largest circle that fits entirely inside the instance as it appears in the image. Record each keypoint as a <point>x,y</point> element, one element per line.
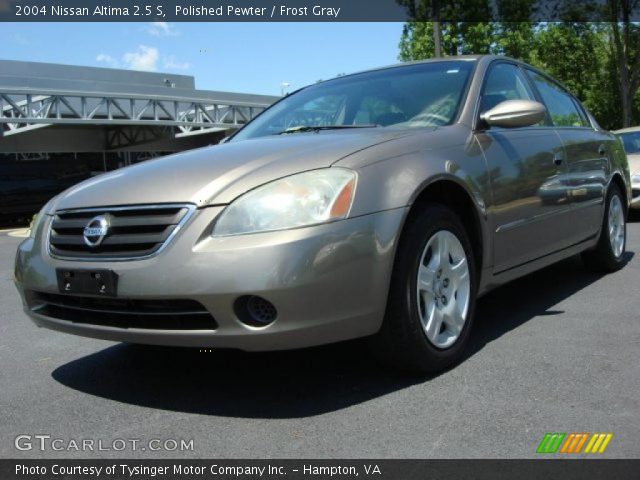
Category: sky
<point>237,57</point>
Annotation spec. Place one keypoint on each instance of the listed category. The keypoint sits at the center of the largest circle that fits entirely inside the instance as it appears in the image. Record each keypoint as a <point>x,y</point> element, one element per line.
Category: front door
<point>528,176</point>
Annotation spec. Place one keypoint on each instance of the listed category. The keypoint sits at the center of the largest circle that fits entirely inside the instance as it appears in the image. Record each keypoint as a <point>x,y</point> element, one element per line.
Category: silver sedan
<point>380,204</point>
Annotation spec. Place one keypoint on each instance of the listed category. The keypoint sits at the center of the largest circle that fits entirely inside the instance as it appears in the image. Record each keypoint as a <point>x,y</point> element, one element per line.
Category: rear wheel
<point>432,294</point>
<point>608,256</point>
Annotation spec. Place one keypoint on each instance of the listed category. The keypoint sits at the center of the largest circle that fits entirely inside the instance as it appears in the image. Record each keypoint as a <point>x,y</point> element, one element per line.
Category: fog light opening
<point>255,311</point>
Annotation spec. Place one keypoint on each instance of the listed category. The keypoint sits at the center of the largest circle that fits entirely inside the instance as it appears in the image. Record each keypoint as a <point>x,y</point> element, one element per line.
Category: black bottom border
<point>132,469</point>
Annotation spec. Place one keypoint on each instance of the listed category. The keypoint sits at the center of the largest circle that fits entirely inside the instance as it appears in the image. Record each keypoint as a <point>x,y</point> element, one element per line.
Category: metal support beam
<point>23,109</point>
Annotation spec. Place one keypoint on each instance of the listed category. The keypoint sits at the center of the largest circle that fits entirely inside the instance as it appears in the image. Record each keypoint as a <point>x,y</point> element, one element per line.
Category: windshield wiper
<point>317,128</point>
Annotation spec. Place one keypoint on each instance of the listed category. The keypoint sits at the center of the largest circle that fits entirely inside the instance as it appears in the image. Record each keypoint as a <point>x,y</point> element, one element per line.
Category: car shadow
<point>534,295</point>
<point>299,383</point>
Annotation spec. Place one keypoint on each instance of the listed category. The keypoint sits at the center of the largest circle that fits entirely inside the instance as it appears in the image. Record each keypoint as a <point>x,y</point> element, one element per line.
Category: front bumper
<point>328,282</point>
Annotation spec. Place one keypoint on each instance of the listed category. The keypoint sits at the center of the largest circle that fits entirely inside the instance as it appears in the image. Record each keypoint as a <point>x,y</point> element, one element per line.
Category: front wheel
<point>432,294</point>
<point>608,256</point>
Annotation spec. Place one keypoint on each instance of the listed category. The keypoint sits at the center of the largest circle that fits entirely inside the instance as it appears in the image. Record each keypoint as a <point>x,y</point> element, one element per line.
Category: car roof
<point>457,58</point>
<point>486,58</point>
<point>627,130</point>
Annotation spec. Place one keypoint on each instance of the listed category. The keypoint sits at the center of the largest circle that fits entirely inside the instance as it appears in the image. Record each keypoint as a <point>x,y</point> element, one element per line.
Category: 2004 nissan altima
<point>379,204</point>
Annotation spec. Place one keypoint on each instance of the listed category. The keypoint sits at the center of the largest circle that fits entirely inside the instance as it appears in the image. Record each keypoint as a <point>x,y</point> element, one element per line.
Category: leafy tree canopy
<point>598,61</point>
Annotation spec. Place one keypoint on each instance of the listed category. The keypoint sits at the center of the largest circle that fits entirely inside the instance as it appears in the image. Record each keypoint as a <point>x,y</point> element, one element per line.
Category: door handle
<point>558,158</point>
<point>602,150</point>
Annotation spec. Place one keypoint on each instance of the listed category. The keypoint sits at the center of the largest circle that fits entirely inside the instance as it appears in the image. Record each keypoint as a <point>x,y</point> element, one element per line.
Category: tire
<point>403,342</point>
<point>608,257</point>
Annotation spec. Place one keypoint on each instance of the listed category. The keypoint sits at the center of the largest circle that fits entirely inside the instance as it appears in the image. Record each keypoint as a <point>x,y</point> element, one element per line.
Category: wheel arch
<point>450,192</point>
<point>616,179</point>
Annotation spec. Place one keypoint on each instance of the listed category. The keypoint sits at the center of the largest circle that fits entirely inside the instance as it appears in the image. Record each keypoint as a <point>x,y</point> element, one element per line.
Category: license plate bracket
<point>94,282</point>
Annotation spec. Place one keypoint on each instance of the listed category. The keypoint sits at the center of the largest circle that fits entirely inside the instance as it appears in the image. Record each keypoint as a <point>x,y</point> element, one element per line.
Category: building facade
<point>60,124</point>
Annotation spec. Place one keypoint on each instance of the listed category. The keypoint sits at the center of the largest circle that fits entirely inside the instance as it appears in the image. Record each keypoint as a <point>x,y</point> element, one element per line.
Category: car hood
<point>216,175</point>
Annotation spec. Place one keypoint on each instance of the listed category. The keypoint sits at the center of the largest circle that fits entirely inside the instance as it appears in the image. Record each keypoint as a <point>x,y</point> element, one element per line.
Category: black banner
<point>316,10</point>
<point>319,469</point>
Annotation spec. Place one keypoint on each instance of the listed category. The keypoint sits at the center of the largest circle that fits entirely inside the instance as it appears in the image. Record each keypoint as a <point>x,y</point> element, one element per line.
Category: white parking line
<point>16,232</point>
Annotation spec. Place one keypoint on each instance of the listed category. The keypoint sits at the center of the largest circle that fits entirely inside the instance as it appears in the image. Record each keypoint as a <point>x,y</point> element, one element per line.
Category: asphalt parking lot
<point>557,351</point>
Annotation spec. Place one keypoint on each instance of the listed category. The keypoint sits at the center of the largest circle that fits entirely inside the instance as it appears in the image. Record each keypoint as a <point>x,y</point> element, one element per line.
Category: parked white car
<point>631,140</point>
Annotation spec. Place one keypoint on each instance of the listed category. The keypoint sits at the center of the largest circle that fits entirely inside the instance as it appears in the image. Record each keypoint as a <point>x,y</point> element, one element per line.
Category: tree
<point>598,60</point>
<point>625,48</point>
<point>577,54</point>
<point>514,34</point>
<point>416,42</point>
<point>431,31</point>
<point>466,38</point>
<point>515,39</point>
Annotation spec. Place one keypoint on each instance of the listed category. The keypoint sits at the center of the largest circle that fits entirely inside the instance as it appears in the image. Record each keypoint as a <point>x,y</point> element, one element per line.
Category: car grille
<point>133,232</point>
<point>177,314</point>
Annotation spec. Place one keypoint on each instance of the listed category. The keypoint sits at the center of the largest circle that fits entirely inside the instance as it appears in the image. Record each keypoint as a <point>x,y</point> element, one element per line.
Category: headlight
<point>308,198</point>
<point>37,219</point>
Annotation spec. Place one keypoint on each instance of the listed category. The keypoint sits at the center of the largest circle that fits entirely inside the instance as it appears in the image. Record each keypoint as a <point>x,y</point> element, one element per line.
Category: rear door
<point>586,152</point>
<point>530,211</point>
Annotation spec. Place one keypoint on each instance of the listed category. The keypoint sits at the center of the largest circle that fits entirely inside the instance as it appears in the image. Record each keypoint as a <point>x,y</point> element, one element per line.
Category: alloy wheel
<point>443,288</point>
<point>616,226</point>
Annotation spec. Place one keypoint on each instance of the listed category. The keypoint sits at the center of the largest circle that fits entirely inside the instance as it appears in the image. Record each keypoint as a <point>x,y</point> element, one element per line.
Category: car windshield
<point>412,96</point>
<point>631,142</point>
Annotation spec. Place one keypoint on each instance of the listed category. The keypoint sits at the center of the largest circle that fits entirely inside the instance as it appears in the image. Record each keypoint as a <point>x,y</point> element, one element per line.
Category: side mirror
<point>514,114</point>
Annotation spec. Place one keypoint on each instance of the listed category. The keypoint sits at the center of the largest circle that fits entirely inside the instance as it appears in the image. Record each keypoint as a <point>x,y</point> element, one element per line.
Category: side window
<point>582,112</point>
<point>562,109</point>
<point>504,81</point>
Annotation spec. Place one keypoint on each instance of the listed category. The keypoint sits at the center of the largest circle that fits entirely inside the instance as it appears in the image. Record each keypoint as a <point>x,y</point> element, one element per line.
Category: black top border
<point>316,10</point>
